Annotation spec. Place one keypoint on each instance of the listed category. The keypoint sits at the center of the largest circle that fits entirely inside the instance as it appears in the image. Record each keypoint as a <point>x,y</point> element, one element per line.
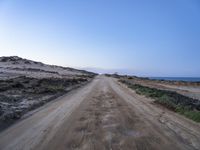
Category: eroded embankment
<point>22,94</point>
<point>184,105</point>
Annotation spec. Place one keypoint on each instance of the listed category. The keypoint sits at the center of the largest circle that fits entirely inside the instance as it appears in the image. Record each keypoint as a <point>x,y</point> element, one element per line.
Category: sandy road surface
<point>102,115</point>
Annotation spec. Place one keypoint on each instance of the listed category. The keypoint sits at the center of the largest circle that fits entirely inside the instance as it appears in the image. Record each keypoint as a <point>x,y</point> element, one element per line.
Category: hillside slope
<point>15,66</point>
<point>25,85</point>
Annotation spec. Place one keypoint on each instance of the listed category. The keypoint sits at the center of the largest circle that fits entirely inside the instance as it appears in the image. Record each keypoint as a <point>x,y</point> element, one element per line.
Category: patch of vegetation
<point>39,86</point>
<point>192,114</point>
<point>51,89</point>
<point>181,104</point>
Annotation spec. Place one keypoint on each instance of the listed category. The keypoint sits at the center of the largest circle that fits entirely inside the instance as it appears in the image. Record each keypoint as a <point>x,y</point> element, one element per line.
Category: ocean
<point>190,79</point>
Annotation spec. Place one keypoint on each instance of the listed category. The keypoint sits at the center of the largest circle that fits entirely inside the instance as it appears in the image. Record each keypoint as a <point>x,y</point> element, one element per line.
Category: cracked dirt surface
<point>103,115</point>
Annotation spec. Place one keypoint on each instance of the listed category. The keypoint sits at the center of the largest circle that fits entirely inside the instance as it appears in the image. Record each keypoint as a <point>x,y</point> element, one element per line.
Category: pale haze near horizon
<point>157,38</point>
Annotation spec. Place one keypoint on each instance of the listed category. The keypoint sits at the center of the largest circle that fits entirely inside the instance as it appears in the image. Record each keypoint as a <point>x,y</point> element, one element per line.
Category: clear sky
<point>142,37</point>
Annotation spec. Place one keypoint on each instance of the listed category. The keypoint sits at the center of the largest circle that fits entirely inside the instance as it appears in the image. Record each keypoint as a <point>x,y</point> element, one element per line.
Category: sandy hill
<point>15,66</point>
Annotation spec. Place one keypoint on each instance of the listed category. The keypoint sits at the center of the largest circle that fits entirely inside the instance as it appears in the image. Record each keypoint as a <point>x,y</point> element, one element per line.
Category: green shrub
<point>54,88</point>
<point>187,112</point>
<point>165,100</point>
<point>194,115</point>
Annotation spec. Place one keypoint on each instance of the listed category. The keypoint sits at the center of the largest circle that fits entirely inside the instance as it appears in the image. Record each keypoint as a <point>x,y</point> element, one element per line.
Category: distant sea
<point>190,79</point>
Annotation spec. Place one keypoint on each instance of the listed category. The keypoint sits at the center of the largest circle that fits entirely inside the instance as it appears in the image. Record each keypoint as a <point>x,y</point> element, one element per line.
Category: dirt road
<point>103,115</point>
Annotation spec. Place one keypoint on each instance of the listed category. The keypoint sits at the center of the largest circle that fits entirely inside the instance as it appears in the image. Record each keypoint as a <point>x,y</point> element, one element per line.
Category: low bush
<point>54,88</point>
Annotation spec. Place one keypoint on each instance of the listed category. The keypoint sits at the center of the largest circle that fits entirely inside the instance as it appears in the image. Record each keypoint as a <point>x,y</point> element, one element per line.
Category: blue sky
<point>141,37</point>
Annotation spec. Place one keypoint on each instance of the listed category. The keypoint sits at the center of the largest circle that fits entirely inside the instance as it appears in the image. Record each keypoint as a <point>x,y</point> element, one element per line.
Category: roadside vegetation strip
<point>183,105</point>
